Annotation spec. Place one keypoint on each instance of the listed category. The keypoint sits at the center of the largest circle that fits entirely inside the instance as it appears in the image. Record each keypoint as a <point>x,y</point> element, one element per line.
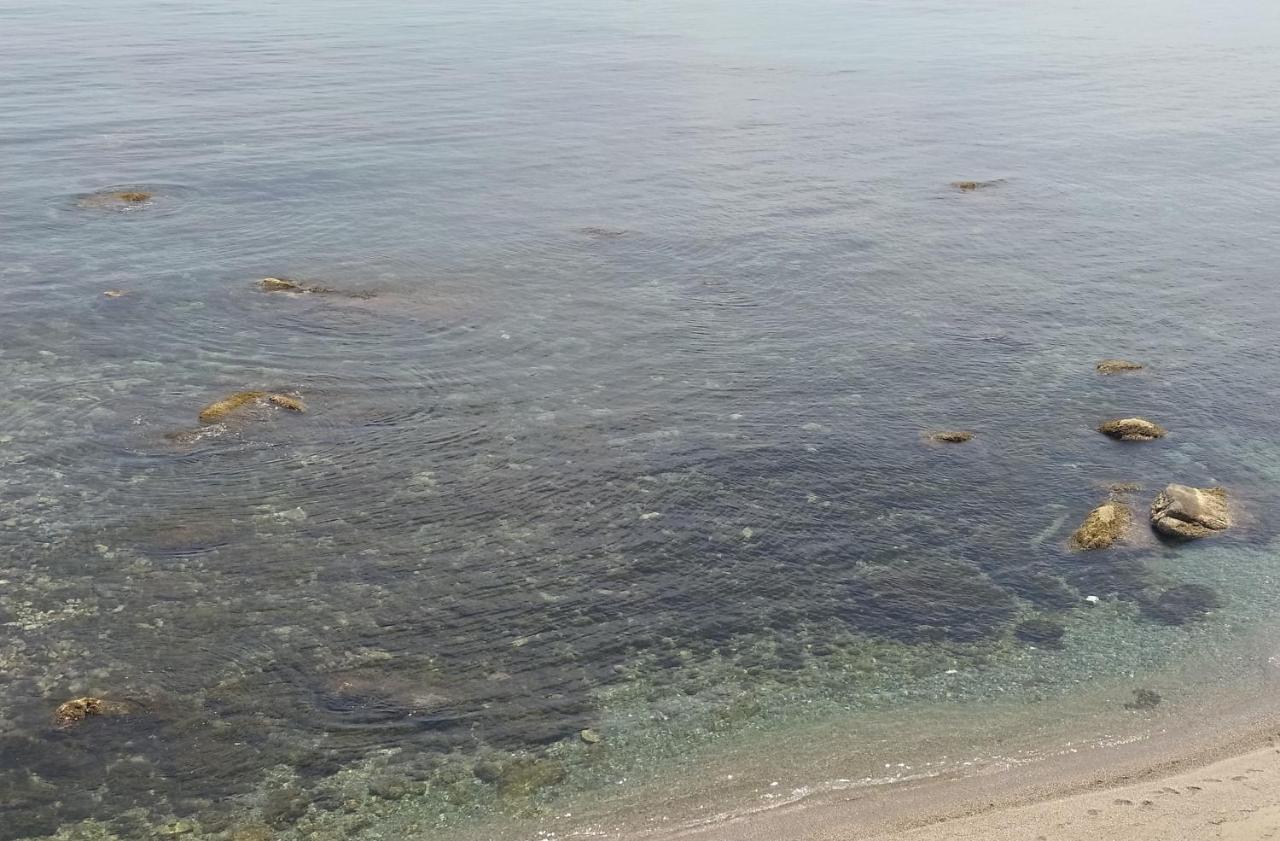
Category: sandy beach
<point>1219,779</point>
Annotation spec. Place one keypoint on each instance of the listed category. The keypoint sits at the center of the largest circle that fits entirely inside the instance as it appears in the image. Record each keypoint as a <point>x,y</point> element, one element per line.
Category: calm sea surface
<point>617,409</point>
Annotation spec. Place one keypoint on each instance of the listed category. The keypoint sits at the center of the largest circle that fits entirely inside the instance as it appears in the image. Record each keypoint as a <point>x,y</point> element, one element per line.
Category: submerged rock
<point>78,709</point>
<point>1104,525</point>
<point>951,436</point>
<point>1143,699</point>
<point>116,198</point>
<point>219,410</point>
<point>1182,604</point>
<point>970,186</point>
<point>589,736</point>
<point>1132,429</point>
<point>520,777</point>
<point>1045,633</point>
<point>114,293</point>
<point>1116,366</point>
<point>283,807</point>
<point>1188,513</point>
<point>601,233</point>
<point>279,284</point>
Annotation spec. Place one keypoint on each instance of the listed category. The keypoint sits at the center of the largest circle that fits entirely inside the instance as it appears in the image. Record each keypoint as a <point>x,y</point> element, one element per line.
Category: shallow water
<point>623,426</point>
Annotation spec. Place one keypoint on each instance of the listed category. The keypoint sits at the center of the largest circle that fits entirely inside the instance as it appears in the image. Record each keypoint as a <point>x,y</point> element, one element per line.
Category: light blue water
<point>654,305</point>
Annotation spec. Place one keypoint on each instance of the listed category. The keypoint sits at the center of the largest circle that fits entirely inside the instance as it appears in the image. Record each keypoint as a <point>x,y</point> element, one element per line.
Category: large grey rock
<point>1186,512</point>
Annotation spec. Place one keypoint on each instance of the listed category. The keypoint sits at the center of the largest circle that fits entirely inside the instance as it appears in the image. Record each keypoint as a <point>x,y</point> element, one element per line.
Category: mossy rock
<point>951,436</point>
<point>219,410</point>
<point>1117,366</point>
<point>1132,429</point>
<point>1104,526</point>
<point>78,709</point>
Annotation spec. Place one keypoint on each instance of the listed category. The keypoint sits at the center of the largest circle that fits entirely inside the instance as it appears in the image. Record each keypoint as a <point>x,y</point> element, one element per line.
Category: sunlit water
<point>623,424</point>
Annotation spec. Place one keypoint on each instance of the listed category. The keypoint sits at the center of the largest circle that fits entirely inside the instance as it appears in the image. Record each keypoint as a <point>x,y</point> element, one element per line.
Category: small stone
<point>115,293</point>
<point>1189,513</point>
<point>1093,600</point>
<point>1116,366</point>
<point>1132,429</point>
<point>590,736</point>
<point>652,515</point>
<point>951,436</point>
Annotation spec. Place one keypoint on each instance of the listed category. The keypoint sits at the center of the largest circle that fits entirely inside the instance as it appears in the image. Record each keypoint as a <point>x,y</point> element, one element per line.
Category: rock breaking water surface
<point>623,425</point>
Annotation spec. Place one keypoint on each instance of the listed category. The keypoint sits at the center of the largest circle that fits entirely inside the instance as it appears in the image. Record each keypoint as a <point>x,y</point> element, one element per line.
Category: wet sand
<point>1215,778</point>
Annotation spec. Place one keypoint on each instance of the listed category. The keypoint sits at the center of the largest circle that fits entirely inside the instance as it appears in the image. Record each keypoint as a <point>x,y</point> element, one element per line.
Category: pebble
<point>1092,599</point>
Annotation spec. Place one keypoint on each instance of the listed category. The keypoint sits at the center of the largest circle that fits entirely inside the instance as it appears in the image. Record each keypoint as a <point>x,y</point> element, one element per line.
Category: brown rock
<point>1116,366</point>
<point>78,709</point>
<point>219,410</point>
<point>1189,513</point>
<point>1132,429</point>
<point>951,437</point>
<point>285,401</point>
<point>1104,525</point>
<point>279,284</point>
<point>970,186</point>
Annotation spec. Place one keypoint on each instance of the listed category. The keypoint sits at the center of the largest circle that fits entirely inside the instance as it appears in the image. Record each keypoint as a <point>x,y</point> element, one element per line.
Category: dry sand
<point>1215,781</point>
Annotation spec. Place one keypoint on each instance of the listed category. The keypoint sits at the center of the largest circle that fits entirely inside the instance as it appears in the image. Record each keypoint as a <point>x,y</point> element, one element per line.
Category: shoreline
<point>1210,771</point>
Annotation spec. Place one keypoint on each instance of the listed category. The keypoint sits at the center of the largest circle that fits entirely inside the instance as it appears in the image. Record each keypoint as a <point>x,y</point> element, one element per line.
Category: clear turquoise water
<point>625,429</point>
